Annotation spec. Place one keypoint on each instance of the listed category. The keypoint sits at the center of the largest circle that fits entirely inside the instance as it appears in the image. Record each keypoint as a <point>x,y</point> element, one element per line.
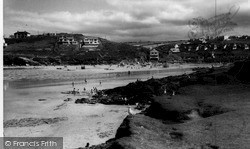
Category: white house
<point>154,55</point>
<point>4,43</point>
<point>246,47</point>
<point>205,48</point>
<point>67,41</point>
<point>91,40</point>
<point>225,46</point>
<point>90,43</point>
<point>234,46</point>
<point>197,48</point>
<point>175,49</point>
<point>226,37</point>
<point>215,47</point>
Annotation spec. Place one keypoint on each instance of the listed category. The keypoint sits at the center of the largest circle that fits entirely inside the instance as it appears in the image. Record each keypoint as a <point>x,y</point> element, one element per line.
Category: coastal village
<point>221,49</point>
<point>126,74</point>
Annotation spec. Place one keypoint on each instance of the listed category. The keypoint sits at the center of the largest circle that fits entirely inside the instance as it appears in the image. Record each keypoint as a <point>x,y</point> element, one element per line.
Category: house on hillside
<point>91,43</point>
<point>21,35</point>
<point>175,49</point>
<point>49,34</point>
<point>4,43</point>
<point>67,41</point>
<point>235,46</point>
<point>226,38</point>
<point>215,47</point>
<point>154,55</point>
<point>190,57</point>
<point>246,47</point>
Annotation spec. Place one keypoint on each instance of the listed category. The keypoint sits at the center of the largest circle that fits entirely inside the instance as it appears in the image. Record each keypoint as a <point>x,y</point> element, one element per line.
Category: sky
<point>119,20</point>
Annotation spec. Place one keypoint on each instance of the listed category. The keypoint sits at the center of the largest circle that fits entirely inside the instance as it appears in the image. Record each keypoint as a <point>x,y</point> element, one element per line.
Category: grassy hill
<point>46,51</point>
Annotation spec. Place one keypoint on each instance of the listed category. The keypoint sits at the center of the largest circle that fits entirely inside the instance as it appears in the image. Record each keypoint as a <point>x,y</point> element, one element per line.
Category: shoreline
<point>57,76</point>
<point>54,99</point>
<point>102,66</point>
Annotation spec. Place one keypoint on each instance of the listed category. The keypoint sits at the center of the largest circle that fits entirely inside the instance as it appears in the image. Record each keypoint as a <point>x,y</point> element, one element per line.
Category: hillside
<point>209,50</point>
<point>44,50</point>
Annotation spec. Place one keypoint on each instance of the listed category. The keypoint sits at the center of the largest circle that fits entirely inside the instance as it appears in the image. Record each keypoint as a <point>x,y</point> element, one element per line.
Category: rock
<point>42,99</point>
<point>176,135</point>
<point>140,106</point>
<point>82,100</point>
<point>68,99</point>
<point>240,71</point>
<point>86,100</point>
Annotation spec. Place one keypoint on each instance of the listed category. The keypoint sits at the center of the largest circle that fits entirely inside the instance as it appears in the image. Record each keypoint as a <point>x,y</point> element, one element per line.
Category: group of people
<point>94,90</point>
<point>75,92</point>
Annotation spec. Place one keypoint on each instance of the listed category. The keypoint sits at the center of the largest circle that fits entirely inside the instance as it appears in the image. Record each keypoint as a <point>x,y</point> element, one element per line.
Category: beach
<point>39,93</point>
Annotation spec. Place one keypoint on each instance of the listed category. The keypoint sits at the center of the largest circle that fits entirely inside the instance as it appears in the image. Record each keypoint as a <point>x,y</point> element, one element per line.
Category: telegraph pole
<point>215,14</point>
<point>215,10</point>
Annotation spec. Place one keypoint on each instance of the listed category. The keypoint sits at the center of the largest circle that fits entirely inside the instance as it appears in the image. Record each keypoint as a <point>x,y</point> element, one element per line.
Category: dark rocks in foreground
<point>201,110</point>
<point>241,71</point>
<point>178,108</point>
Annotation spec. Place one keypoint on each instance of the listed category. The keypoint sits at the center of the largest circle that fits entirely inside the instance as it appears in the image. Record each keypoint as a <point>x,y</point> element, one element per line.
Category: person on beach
<point>74,91</point>
<point>95,89</point>
<point>73,84</point>
<point>100,82</point>
<point>84,89</point>
<point>85,80</point>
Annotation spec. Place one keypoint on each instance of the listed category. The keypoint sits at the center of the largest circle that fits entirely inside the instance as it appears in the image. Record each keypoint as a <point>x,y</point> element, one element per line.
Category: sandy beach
<point>32,93</point>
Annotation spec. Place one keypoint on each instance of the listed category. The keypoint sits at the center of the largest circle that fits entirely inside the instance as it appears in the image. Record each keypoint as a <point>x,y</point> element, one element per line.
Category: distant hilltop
<point>82,41</point>
<point>70,49</point>
<point>77,49</point>
<point>220,49</point>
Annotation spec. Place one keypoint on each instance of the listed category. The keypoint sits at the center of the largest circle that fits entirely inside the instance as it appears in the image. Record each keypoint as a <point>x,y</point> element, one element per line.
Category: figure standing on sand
<point>74,91</point>
<point>73,84</point>
<point>87,145</point>
<point>85,80</point>
<point>95,89</point>
<point>100,82</point>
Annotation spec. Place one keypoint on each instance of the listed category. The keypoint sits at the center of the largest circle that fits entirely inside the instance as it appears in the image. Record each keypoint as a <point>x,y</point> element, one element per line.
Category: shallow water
<point>22,78</point>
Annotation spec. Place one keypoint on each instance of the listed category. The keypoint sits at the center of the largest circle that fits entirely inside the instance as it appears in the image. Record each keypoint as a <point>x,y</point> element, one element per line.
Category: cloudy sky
<point>119,20</point>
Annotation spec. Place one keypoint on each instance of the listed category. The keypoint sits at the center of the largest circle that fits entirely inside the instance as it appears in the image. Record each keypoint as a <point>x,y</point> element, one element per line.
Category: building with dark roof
<point>21,35</point>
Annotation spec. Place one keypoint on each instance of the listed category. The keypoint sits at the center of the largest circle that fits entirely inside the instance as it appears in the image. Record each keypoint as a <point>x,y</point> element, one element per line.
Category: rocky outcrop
<point>190,118</point>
